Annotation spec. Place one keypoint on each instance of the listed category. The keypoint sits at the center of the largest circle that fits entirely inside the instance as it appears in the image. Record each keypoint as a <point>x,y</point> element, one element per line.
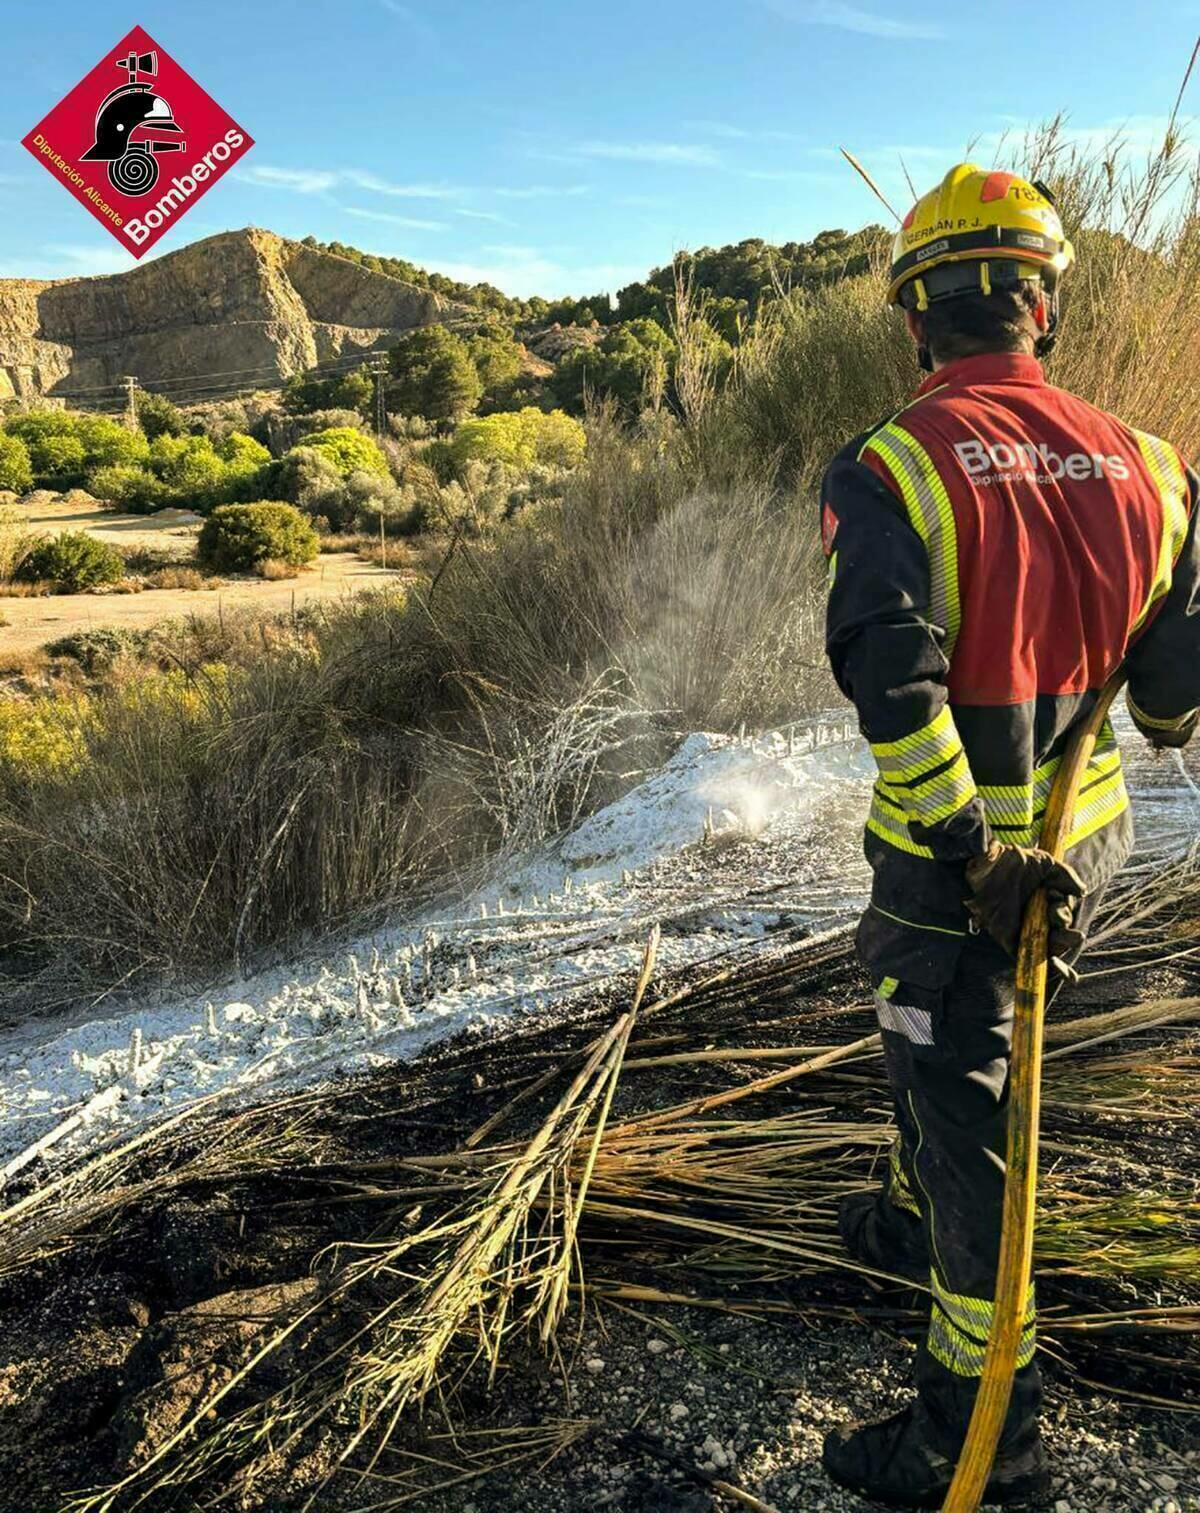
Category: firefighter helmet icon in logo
<point>137,141</point>
<point>125,123</point>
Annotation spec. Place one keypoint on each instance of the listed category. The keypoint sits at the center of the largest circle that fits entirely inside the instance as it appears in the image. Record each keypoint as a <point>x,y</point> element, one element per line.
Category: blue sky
<point>569,147</point>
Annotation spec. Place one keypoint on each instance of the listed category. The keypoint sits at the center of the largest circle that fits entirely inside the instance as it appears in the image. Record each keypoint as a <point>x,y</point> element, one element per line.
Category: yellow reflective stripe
<point>1023,805</point>
<point>959,1327</point>
<point>975,1314</point>
<point>932,517</point>
<point>887,987</point>
<point>1171,480</point>
<point>926,747</point>
<point>964,1356</point>
<point>1151,723</point>
<point>926,773</point>
<point>893,829</point>
<point>1099,807</point>
<point>938,797</point>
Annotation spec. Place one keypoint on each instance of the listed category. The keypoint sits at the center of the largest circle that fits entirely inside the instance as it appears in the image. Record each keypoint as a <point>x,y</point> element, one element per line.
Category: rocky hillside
<point>246,301</point>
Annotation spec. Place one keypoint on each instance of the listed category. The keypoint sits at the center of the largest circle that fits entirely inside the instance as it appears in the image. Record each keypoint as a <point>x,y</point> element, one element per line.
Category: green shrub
<point>57,456</point>
<point>438,457</point>
<point>193,472</point>
<point>16,471</point>
<point>97,650</point>
<point>434,375</point>
<point>157,416</point>
<point>132,488</point>
<point>370,499</point>
<point>237,537</point>
<point>311,480</point>
<point>304,392</point>
<point>35,425</point>
<point>106,442</point>
<point>521,440</point>
<point>349,450</point>
<point>75,561</point>
<point>242,451</point>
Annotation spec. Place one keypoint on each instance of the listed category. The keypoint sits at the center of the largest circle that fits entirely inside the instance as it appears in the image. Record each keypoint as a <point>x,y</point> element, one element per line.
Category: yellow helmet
<point>999,227</point>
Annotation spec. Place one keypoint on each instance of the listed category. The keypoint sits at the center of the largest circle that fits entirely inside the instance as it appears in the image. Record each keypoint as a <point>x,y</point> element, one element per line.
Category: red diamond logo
<point>138,142</point>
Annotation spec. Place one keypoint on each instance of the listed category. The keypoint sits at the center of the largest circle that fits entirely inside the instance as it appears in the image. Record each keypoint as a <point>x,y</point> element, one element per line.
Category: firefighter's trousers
<point>947,1053</point>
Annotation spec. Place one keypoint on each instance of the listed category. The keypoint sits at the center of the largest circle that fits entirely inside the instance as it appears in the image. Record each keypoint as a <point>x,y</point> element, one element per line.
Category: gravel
<point>751,1401</point>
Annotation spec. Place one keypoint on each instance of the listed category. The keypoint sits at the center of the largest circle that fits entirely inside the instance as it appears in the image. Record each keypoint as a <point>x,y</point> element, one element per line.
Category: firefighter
<point>995,549</point>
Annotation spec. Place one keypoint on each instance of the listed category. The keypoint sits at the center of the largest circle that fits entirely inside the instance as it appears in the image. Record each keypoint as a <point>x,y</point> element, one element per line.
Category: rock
<point>556,341</point>
<point>237,301</point>
<point>1165,1481</point>
<point>36,499</point>
<point>677,1411</point>
<point>594,1365</point>
<point>656,1347</point>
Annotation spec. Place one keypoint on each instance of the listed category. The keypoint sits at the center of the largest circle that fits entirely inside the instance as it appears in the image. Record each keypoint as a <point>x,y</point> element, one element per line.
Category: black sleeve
<point>1164,662</point>
<point>888,659</point>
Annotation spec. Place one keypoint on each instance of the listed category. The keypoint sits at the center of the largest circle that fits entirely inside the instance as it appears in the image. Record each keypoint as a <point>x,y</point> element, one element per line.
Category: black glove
<point>1005,878</point>
<point>1167,734</point>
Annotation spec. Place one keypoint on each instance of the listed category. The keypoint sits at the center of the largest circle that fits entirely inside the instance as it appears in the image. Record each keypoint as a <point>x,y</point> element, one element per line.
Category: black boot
<point>901,1463</point>
<point>883,1236</point>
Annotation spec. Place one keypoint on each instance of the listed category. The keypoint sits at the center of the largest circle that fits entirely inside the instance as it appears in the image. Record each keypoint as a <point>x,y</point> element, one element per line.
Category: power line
<point>228,377</point>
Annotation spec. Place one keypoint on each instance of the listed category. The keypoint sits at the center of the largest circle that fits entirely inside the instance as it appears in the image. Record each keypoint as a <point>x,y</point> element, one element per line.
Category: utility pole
<point>379,369</point>
<point>130,407</point>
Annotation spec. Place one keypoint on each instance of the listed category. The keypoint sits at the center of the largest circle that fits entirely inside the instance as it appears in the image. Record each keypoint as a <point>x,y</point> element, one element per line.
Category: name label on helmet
<point>997,461</point>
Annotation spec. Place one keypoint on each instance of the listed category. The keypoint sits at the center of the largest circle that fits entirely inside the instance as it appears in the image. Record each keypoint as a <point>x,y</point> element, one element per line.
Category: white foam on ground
<point>554,926</point>
<point>727,841</point>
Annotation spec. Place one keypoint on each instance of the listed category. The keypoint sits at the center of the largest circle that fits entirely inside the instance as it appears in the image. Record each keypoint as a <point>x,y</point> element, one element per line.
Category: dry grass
<point>187,578</point>
<point>15,588</point>
<point>275,571</point>
<point>23,664</point>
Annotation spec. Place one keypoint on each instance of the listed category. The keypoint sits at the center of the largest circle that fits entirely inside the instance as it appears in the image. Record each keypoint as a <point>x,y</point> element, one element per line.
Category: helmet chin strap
<point>924,358</point>
<point>1044,345</point>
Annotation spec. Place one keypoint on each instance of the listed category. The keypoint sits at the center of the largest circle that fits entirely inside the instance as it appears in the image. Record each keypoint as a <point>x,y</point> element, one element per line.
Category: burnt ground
<point>119,1320</point>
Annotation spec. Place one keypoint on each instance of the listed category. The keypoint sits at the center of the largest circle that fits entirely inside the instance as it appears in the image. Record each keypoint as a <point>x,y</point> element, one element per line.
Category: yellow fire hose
<point>1024,1108</point>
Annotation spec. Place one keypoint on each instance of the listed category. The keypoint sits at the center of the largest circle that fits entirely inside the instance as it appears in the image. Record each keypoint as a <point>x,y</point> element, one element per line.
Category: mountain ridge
<point>247,301</point>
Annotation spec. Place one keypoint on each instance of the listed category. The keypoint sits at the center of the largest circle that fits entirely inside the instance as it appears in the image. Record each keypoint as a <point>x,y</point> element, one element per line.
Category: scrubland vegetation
<point>591,590</point>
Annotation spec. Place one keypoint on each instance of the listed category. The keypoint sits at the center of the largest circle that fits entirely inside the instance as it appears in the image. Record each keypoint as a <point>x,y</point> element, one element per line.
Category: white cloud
<point>298,180</point>
<point>372,181</point>
<point>850,18</point>
<point>322,180</point>
<point>484,215</point>
<point>675,153</point>
<point>394,220</point>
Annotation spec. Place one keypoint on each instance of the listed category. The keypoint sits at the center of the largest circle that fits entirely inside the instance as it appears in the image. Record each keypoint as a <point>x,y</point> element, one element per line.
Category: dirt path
<point>33,622</point>
<point>167,530</point>
<point>27,624</point>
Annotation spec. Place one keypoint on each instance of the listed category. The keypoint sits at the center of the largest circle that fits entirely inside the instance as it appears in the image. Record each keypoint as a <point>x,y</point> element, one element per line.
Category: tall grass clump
<point>403,740</point>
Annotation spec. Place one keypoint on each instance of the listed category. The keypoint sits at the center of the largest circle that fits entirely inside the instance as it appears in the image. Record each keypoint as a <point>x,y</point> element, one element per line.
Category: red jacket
<point>995,549</point>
